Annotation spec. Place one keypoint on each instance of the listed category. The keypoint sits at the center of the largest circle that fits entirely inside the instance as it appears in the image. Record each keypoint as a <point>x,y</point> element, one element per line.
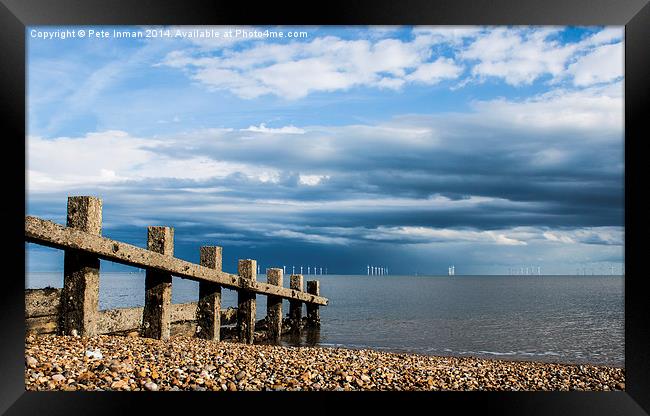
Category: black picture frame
<point>15,15</point>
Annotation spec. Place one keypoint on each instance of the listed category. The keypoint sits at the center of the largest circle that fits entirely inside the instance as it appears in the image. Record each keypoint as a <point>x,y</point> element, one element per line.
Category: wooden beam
<point>42,302</point>
<point>295,306</point>
<point>42,314</point>
<point>274,305</point>
<point>313,314</point>
<point>208,313</point>
<point>156,316</point>
<point>80,306</point>
<point>50,234</point>
<point>246,302</point>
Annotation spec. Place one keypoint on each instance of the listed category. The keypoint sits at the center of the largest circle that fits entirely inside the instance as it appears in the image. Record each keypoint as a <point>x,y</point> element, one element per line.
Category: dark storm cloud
<point>544,174</point>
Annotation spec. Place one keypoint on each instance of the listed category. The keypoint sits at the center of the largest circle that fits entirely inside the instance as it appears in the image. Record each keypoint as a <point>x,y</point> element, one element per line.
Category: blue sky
<point>414,148</point>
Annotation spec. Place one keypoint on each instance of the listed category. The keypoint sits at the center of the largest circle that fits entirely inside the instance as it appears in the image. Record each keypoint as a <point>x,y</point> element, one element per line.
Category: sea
<point>562,319</point>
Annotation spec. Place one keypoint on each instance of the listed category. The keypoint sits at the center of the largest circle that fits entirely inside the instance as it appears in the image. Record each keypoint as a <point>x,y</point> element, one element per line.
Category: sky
<point>413,148</point>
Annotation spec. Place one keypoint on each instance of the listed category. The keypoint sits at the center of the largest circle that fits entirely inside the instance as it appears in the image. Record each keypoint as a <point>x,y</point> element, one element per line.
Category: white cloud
<point>434,72</point>
<point>114,156</point>
<point>558,238</point>
<point>293,70</point>
<point>588,115</point>
<point>607,35</point>
<point>281,130</point>
<point>310,238</point>
<point>455,35</point>
<point>420,235</point>
<point>597,110</point>
<point>603,64</point>
<point>296,69</point>
<point>516,236</point>
<point>519,56</point>
<point>425,235</point>
<point>588,235</point>
<point>312,180</point>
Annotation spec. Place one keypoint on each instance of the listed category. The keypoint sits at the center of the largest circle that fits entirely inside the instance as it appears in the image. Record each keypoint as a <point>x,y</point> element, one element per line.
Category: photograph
<point>325,208</point>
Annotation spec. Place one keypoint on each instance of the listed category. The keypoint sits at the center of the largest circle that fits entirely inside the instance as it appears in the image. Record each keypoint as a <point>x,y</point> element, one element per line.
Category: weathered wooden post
<point>156,316</point>
<point>274,305</point>
<point>208,312</point>
<point>295,306</point>
<point>313,313</point>
<point>80,298</point>
<point>246,302</point>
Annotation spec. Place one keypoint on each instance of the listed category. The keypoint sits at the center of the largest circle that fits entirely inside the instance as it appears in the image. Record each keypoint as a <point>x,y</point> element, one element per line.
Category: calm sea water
<point>570,319</point>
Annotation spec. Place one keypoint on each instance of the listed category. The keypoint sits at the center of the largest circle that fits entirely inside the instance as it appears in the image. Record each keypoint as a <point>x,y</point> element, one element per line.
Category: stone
<point>266,367</point>
<point>115,366</point>
<point>58,378</point>
<point>150,386</point>
<point>31,362</point>
<point>120,384</point>
<point>95,354</point>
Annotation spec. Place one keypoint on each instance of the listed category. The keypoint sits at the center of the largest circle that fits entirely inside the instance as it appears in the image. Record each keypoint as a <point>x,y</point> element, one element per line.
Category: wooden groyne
<point>74,309</point>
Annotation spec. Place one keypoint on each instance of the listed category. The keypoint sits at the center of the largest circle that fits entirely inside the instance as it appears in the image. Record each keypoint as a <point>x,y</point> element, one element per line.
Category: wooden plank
<point>49,234</point>
<point>156,315</point>
<point>45,302</point>
<point>114,321</point>
<point>183,328</point>
<point>129,319</point>
<point>274,305</point>
<point>42,325</point>
<point>246,302</point>
<point>209,307</point>
<point>42,302</point>
<point>295,306</point>
<point>313,314</point>
<point>119,320</point>
<point>80,299</point>
<point>183,311</point>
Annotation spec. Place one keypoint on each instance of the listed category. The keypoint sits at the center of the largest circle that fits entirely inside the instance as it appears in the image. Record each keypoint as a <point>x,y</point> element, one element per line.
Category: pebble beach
<point>105,362</point>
